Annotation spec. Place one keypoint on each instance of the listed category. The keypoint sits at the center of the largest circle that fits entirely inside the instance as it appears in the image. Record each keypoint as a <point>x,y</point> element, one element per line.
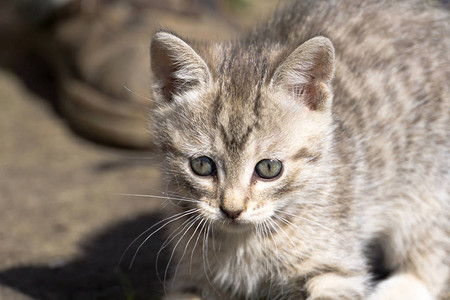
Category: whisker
<point>275,244</point>
<point>272,223</point>
<point>195,245</point>
<point>161,197</point>
<point>173,235</point>
<point>191,223</point>
<point>136,94</point>
<point>185,248</point>
<point>282,230</point>
<point>265,233</point>
<point>260,237</point>
<point>310,221</point>
<point>169,239</point>
<point>167,193</point>
<point>207,245</point>
<point>131,157</point>
<point>270,232</point>
<point>192,211</point>
<point>147,230</point>
<point>213,242</point>
<point>205,249</point>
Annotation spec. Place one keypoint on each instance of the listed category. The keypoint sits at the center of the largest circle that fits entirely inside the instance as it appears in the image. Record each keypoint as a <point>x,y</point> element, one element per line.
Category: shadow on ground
<point>96,275</point>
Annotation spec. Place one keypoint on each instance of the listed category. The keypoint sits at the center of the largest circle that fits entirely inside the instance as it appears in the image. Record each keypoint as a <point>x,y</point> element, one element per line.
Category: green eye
<point>268,168</point>
<point>203,166</point>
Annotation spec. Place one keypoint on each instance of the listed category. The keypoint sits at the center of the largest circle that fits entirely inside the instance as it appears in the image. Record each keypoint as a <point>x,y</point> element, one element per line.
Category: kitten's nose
<point>232,214</point>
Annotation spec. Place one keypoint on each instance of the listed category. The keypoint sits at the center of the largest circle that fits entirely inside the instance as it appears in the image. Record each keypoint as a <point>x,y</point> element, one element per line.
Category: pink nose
<point>232,214</point>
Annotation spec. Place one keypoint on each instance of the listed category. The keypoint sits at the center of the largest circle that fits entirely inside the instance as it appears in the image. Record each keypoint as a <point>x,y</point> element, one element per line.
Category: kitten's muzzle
<point>229,213</point>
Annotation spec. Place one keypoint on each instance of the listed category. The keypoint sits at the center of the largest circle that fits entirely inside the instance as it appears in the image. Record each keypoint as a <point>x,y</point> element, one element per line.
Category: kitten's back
<point>392,110</point>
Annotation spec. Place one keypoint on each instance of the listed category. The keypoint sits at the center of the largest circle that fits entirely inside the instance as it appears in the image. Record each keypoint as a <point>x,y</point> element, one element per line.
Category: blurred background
<point>74,101</point>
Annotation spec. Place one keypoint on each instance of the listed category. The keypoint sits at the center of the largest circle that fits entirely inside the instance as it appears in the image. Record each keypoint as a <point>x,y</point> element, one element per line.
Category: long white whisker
<point>282,230</point>
<point>191,223</point>
<point>271,223</point>
<point>185,248</point>
<point>266,233</point>
<point>176,232</point>
<point>261,239</point>
<point>146,239</point>
<point>277,252</point>
<point>136,94</point>
<point>207,245</point>
<point>311,221</point>
<point>213,242</point>
<point>271,234</point>
<point>148,229</point>
<point>161,197</point>
<point>169,239</point>
<point>195,245</point>
<point>205,260</point>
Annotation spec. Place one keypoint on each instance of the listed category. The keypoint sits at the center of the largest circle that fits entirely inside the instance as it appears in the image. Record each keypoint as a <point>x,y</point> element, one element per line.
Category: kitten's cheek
<point>258,212</point>
<point>207,211</point>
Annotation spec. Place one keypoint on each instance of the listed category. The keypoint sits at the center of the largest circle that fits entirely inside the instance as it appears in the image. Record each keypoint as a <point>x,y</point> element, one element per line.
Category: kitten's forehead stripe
<point>234,143</point>
<point>239,96</point>
<point>257,102</point>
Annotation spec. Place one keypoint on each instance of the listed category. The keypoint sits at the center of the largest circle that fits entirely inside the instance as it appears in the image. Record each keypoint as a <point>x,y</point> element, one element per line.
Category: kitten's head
<point>245,128</point>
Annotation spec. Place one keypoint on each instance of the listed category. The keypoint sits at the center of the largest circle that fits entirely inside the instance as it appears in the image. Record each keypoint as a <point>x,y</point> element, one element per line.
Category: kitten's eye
<point>203,166</point>
<point>268,168</point>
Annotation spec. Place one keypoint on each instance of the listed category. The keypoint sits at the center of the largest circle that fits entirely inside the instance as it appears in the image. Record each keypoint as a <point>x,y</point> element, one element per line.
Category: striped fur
<point>362,127</point>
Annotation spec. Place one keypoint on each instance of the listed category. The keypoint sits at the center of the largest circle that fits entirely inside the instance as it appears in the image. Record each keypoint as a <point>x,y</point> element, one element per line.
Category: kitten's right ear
<point>176,67</point>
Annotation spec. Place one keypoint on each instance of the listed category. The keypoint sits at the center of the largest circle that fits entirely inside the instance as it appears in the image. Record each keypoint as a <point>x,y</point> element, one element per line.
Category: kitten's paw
<point>401,287</point>
<point>182,296</point>
<point>332,286</point>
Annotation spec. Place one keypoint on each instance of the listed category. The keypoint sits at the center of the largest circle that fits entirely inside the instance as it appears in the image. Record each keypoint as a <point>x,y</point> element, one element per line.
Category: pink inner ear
<point>310,95</point>
<point>313,94</point>
<point>306,73</point>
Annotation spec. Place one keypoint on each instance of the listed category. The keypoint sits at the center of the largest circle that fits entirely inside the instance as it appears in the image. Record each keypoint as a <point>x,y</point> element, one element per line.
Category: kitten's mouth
<point>234,222</point>
<point>234,225</point>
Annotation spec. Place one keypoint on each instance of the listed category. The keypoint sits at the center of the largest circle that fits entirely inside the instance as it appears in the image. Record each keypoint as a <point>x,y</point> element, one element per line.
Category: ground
<point>63,225</point>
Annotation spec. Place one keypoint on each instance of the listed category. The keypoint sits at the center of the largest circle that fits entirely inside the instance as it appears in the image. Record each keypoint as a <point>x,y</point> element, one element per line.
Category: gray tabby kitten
<point>315,145</point>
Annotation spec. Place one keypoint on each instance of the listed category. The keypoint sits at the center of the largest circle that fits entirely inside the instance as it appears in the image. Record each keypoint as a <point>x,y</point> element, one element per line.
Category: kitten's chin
<point>234,226</point>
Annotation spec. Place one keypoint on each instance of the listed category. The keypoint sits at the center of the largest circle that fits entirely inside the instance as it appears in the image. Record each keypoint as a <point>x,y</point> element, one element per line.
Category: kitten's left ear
<point>176,66</point>
<point>307,72</point>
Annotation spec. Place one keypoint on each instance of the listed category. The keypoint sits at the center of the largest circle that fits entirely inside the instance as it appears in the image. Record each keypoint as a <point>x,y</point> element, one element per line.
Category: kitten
<point>298,150</point>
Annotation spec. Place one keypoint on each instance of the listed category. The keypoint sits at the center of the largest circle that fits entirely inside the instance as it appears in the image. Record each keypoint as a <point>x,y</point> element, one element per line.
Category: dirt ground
<point>64,224</point>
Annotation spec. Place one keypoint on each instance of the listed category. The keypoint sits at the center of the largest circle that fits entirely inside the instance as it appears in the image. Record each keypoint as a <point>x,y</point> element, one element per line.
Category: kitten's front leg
<point>401,286</point>
<point>332,286</point>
